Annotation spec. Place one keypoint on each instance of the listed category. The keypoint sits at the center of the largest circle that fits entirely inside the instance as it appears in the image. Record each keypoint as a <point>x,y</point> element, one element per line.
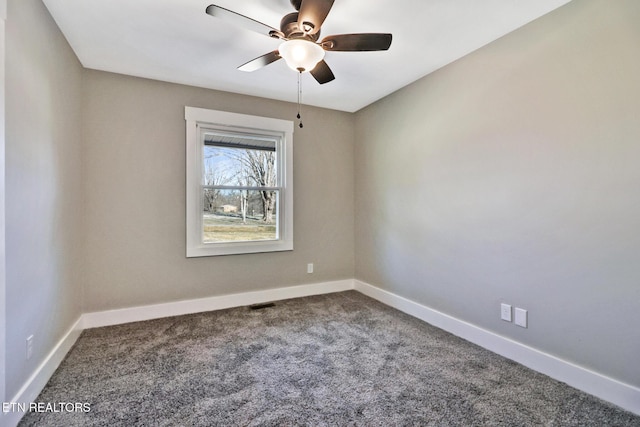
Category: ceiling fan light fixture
<point>301,55</point>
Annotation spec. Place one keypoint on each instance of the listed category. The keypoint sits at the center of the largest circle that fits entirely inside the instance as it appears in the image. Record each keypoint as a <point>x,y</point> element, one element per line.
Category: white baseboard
<point>156,311</point>
<point>34,385</point>
<point>624,395</point>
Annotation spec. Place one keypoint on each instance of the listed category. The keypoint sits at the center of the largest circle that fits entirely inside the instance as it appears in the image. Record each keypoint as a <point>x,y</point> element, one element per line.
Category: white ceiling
<point>176,41</point>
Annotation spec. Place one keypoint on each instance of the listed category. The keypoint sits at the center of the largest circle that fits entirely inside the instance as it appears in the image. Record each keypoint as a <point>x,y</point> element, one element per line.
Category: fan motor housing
<point>291,30</point>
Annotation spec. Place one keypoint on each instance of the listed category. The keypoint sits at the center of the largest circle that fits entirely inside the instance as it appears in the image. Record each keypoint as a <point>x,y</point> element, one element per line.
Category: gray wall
<point>3,272</point>
<point>43,187</point>
<point>134,184</point>
<point>512,175</point>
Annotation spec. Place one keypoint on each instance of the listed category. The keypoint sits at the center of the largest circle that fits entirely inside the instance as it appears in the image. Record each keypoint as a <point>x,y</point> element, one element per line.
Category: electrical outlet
<point>505,312</point>
<point>521,317</point>
<point>310,268</point>
<point>29,346</point>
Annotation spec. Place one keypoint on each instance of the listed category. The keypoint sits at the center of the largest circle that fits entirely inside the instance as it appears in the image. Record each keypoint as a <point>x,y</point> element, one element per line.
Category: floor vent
<point>261,306</point>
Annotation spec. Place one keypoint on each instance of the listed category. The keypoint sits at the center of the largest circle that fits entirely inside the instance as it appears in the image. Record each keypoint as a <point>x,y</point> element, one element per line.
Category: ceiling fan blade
<point>357,42</point>
<point>243,21</point>
<point>322,73</point>
<point>312,14</point>
<point>260,61</point>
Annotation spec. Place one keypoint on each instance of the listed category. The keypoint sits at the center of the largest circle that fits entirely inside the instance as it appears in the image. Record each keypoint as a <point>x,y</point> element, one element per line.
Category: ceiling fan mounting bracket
<point>328,45</point>
<point>276,34</point>
<point>308,27</point>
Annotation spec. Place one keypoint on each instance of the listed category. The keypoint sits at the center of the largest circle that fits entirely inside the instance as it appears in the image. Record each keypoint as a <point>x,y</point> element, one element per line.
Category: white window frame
<point>196,118</point>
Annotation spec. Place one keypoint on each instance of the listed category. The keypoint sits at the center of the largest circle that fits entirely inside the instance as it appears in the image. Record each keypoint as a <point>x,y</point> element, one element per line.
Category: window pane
<point>237,161</point>
<point>239,215</point>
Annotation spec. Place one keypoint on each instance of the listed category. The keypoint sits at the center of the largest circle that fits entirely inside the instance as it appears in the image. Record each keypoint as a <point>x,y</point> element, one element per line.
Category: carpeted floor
<point>331,360</point>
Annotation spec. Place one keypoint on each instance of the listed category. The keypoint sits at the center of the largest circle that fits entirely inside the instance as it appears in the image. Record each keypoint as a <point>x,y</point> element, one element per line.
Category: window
<point>239,183</point>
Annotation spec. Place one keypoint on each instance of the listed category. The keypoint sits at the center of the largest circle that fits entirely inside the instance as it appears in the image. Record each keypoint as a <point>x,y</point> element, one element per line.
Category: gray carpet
<point>332,360</point>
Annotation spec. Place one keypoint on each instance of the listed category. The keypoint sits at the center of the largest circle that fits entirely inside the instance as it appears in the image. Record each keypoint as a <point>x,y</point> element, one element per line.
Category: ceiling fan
<point>300,32</point>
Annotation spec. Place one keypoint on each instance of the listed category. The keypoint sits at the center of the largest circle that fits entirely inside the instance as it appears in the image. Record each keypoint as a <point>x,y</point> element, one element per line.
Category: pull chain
<point>299,98</point>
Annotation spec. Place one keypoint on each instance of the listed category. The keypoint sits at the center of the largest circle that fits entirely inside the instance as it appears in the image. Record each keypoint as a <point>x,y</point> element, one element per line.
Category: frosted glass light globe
<point>301,55</point>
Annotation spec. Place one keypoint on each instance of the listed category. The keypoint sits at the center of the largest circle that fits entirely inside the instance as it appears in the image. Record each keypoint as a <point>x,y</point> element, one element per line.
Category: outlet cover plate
<point>505,312</point>
<point>521,317</point>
